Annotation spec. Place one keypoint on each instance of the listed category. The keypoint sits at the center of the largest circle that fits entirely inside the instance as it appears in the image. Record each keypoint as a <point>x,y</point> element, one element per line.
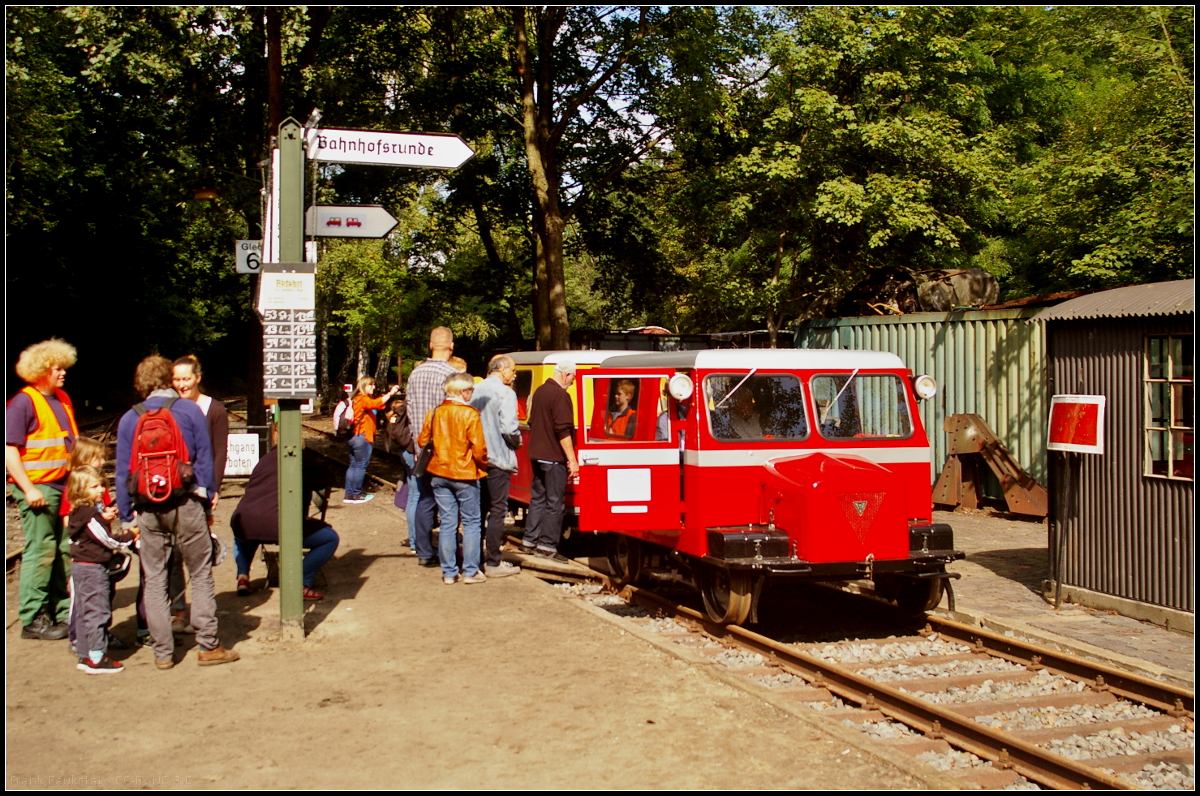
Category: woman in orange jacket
<point>363,404</point>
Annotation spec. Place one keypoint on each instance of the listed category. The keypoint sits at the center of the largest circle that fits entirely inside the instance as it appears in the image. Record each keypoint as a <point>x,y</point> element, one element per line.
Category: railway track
<point>988,709</point>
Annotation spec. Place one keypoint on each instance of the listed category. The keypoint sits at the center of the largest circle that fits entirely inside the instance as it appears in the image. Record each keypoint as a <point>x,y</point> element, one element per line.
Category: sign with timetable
<point>286,303</point>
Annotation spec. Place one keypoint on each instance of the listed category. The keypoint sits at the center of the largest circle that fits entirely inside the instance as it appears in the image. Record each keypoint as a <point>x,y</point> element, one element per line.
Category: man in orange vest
<point>39,433</point>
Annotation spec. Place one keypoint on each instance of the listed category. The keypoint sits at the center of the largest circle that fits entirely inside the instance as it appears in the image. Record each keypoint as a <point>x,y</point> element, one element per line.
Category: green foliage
<point>711,169</point>
<point>862,138</point>
<point>116,116</point>
<point>1110,201</point>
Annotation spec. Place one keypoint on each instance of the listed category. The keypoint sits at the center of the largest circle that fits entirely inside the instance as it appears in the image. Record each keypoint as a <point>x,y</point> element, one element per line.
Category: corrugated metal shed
<point>1135,301</point>
<point>1127,533</point>
<point>991,363</point>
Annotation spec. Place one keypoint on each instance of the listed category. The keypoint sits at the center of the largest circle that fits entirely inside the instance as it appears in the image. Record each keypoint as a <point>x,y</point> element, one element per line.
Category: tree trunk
<point>364,356</point>
<point>553,329</point>
<point>382,364</point>
<point>256,413</point>
<point>323,358</point>
<point>343,374</point>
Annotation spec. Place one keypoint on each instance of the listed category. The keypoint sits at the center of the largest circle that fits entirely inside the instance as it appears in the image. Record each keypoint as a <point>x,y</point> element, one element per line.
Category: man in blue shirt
<point>497,405</point>
<point>182,522</point>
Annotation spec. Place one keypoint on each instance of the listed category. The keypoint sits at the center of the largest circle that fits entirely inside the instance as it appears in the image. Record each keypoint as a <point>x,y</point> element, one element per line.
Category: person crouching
<point>459,462</point>
<point>92,546</point>
<point>255,521</point>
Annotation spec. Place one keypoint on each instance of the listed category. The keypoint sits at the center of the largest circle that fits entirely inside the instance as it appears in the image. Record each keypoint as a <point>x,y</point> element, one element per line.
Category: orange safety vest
<point>46,456</point>
<point>617,427</point>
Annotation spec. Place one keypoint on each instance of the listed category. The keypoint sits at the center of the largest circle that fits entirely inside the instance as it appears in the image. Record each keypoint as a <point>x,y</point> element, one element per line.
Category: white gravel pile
<point>701,642</point>
<point>665,624</point>
<point>881,653</point>
<point>780,680</point>
<point>1163,776</point>
<point>885,730</point>
<point>739,659</point>
<point>1108,743</point>
<point>978,665</point>
<point>606,600</point>
<point>952,760</point>
<point>1073,715</point>
<point>834,705</point>
<point>579,589</point>
<point>1042,684</point>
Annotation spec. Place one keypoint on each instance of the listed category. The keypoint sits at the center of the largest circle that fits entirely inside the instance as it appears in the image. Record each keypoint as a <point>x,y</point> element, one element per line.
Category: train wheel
<point>912,595</point>
<point>728,594</point>
<point>624,559</point>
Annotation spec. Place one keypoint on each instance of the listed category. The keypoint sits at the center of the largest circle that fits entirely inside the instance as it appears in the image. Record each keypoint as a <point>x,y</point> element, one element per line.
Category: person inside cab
<point>620,422</point>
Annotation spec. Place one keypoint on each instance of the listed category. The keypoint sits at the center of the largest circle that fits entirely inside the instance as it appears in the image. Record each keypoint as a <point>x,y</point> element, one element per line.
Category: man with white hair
<point>497,405</point>
<point>552,456</point>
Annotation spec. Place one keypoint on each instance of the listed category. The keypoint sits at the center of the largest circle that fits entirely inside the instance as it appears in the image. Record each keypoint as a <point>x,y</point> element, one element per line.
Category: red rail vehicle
<point>740,467</point>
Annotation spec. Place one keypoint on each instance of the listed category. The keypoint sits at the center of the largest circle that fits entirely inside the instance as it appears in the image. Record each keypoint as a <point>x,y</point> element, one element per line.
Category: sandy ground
<point>406,683</point>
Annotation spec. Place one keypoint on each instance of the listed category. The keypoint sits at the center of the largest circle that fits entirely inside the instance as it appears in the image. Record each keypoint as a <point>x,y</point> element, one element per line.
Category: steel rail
<point>935,721</point>
<point>1171,698</point>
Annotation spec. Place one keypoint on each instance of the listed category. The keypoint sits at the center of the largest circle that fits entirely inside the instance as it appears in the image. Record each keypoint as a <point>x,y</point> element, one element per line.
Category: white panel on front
<point>629,485</point>
<point>630,509</point>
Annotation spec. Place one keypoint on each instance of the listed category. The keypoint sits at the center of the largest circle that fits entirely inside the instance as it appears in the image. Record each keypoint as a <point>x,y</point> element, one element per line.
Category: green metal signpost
<point>289,329</point>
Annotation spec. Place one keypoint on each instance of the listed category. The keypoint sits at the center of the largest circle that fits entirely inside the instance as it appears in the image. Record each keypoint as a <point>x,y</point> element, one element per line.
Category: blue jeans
<point>456,498</point>
<point>360,456</point>
<point>321,545</point>
<point>419,517</point>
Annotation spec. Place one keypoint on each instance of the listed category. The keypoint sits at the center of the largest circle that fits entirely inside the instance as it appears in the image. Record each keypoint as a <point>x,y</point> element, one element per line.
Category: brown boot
<point>217,655</point>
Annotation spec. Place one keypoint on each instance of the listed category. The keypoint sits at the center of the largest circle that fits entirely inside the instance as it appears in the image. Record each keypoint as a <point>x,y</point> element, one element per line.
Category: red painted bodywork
<point>811,488</point>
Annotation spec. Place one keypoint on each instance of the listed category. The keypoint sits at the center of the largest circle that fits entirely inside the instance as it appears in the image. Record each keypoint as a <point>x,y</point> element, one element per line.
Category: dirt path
<point>406,683</point>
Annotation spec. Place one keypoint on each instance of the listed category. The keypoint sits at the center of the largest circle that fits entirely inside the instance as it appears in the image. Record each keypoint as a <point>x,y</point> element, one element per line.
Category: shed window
<point>1170,396</point>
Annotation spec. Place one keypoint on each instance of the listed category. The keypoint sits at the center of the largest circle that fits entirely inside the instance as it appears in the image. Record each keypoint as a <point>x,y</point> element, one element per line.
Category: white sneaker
<point>503,570</point>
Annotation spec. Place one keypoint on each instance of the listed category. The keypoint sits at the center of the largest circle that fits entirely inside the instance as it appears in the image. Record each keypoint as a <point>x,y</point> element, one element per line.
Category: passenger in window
<point>620,422</point>
<point>743,416</point>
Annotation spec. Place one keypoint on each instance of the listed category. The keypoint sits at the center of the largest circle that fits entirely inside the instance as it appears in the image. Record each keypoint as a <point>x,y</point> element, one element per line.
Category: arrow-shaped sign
<point>418,150</point>
<point>348,221</point>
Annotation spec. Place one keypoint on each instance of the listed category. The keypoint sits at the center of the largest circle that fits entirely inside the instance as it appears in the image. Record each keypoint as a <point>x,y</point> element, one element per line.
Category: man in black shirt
<point>552,456</point>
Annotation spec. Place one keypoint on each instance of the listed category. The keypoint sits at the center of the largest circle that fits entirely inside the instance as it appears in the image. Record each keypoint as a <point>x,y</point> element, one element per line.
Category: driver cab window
<point>622,408</point>
<point>761,407</point>
<point>861,407</point>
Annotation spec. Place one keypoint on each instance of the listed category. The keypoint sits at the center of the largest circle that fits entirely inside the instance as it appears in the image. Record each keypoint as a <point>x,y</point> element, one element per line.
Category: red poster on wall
<point>1076,423</point>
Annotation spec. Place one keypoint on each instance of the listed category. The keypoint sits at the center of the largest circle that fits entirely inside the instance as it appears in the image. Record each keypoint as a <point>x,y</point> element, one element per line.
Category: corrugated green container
<point>990,363</point>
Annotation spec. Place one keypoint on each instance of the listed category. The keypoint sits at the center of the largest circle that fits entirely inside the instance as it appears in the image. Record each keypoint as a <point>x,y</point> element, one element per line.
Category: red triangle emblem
<point>860,509</point>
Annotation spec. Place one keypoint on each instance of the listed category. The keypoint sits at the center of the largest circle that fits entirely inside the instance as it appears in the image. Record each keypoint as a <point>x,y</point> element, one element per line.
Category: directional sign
<point>348,221</point>
<point>249,256</point>
<point>418,150</point>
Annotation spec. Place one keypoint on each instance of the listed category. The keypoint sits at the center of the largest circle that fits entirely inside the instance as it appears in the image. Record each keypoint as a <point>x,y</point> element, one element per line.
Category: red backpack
<point>160,467</point>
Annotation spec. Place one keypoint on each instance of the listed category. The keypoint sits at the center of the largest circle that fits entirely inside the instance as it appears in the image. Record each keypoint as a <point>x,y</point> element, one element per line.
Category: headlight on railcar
<point>680,386</point>
<point>925,387</point>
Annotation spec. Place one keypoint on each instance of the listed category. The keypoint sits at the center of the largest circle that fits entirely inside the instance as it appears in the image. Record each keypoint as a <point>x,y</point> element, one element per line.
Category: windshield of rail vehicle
<point>756,408</point>
<point>871,406</point>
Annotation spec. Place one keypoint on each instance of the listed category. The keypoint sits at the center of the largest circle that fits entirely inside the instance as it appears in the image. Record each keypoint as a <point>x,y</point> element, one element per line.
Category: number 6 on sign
<point>249,256</point>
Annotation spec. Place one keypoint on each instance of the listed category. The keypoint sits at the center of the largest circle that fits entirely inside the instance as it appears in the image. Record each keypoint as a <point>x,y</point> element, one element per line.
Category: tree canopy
<point>701,168</point>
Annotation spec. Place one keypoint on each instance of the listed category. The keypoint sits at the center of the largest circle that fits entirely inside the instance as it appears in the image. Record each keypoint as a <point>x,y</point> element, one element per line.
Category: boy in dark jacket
<point>92,548</point>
